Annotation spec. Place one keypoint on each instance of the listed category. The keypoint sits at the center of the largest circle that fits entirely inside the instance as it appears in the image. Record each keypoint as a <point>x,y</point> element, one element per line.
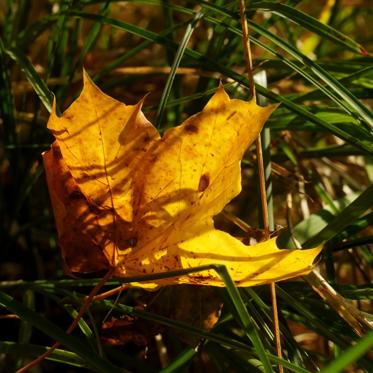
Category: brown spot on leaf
<point>68,116</point>
<point>76,194</point>
<point>204,182</point>
<point>190,127</point>
<point>56,152</point>
<point>233,113</point>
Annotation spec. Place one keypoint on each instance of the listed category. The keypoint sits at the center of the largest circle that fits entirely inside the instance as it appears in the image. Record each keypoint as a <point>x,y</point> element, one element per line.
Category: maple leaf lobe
<point>126,198</point>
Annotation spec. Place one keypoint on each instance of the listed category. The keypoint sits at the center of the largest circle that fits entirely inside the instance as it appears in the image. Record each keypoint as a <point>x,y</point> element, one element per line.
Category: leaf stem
<point>261,174</point>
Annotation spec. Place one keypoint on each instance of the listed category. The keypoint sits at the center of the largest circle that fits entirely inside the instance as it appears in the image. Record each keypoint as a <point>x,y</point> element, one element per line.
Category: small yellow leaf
<point>125,198</point>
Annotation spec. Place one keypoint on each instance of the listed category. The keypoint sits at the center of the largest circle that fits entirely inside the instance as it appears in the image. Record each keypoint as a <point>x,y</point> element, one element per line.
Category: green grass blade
<point>311,24</point>
<point>155,318</point>
<point>83,326</point>
<point>32,76</point>
<point>182,359</point>
<point>317,222</point>
<point>33,351</point>
<point>95,362</point>
<point>343,219</point>
<point>171,77</point>
<point>248,324</point>
<point>349,356</point>
<point>34,30</point>
<point>92,36</point>
<point>309,317</point>
<point>7,107</point>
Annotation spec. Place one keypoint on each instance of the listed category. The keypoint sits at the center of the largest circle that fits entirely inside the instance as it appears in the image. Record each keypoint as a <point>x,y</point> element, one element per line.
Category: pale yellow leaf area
<point>126,198</point>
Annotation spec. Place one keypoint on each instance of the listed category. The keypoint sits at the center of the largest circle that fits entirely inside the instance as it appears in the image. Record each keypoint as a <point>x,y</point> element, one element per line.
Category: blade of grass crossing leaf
<point>179,55</point>
<point>266,208</point>
<point>349,356</point>
<point>95,362</point>
<point>248,324</point>
<point>219,339</point>
<point>32,76</point>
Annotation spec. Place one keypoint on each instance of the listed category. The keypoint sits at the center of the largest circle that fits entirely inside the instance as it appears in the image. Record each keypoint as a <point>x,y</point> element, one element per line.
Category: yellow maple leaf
<point>125,198</point>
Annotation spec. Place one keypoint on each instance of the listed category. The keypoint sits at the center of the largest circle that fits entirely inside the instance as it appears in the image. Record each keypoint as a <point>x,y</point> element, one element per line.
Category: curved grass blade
<point>91,37</point>
<point>311,24</point>
<point>349,356</point>
<point>353,211</point>
<point>171,77</point>
<point>182,359</point>
<point>311,318</point>
<point>32,76</point>
<point>323,225</point>
<point>32,351</point>
<point>83,326</point>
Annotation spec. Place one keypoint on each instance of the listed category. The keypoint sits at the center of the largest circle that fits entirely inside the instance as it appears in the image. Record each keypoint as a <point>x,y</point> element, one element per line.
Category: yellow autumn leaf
<point>125,198</point>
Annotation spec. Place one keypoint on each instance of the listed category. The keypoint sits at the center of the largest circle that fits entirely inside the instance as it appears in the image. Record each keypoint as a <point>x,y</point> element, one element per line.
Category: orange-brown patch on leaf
<point>204,182</point>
